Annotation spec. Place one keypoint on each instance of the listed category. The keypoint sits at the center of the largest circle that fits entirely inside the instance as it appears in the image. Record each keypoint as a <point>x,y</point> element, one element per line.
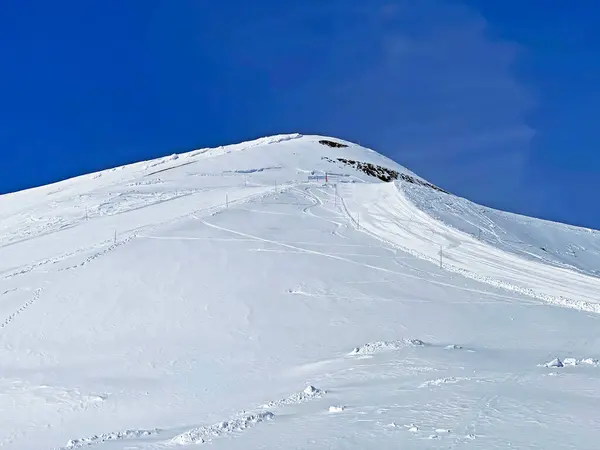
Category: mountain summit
<point>290,292</point>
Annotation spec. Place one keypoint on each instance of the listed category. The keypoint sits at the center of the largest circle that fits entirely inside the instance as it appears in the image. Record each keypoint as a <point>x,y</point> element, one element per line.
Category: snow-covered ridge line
<point>206,434</point>
<point>151,163</point>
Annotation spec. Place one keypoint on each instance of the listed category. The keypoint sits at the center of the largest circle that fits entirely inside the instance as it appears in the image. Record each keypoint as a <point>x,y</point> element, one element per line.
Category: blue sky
<point>494,101</point>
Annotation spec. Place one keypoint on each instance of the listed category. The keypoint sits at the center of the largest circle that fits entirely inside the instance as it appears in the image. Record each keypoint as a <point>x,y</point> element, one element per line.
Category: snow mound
<point>307,394</point>
<point>117,436</point>
<point>580,362</point>
<point>336,409</point>
<point>554,363</point>
<point>383,346</point>
<point>572,362</point>
<point>453,347</point>
<point>442,381</point>
<point>412,428</point>
<point>203,435</point>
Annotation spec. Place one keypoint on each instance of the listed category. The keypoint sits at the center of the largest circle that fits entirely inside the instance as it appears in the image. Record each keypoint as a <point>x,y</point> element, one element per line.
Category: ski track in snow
<point>406,224</point>
<point>317,202</point>
<point>123,241</point>
<point>351,261</point>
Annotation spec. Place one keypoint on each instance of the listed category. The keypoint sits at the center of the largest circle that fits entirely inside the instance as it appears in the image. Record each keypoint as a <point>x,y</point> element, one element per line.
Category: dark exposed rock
<point>383,173</point>
<point>332,143</point>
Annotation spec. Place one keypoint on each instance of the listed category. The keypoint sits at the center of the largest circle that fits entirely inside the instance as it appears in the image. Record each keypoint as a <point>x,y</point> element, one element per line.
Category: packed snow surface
<point>267,295</point>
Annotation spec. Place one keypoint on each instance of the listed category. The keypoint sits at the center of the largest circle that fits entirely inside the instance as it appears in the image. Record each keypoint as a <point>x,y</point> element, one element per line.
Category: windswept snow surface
<point>386,212</point>
<point>230,297</point>
<point>538,240</point>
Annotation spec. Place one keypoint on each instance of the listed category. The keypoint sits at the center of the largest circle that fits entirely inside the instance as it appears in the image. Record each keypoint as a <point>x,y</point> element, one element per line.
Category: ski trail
<point>350,261</point>
<point>131,235</point>
<point>319,203</point>
<point>388,215</point>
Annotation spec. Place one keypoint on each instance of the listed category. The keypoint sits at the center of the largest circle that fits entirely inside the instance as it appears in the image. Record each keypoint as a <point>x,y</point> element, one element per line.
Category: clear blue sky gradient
<point>495,101</point>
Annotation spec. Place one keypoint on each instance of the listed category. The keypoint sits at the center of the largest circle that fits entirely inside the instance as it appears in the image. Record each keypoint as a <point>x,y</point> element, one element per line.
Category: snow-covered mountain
<point>291,292</point>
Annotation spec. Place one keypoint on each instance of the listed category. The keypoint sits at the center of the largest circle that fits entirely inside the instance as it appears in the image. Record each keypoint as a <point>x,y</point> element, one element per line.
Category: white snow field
<point>234,297</point>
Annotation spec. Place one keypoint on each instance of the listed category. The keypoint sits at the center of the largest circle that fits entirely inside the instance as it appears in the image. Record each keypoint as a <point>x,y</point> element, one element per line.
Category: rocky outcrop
<point>383,173</point>
<point>332,144</point>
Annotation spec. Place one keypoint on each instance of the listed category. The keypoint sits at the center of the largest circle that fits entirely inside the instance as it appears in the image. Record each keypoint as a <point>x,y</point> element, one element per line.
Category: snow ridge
<point>206,434</point>
<point>383,346</point>
<point>307,394</point>
<point>105,437</point>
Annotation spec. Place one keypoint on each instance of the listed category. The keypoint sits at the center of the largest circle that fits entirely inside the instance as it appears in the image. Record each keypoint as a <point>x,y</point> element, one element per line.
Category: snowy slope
<point>386,212</point>
<point>538,240</point>
<point>195,299</point>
